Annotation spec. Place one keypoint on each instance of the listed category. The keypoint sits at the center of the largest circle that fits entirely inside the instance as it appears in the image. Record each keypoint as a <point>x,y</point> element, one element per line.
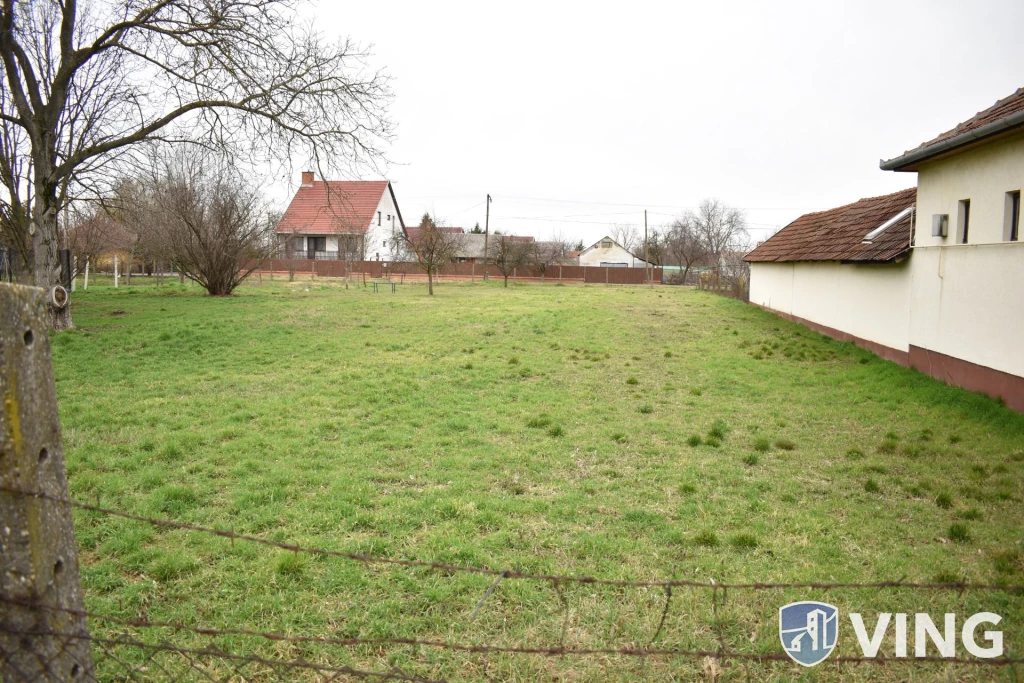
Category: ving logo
<point>808,631</point>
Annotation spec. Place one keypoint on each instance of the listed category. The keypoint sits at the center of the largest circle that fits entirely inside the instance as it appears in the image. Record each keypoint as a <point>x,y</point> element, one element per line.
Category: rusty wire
<point>515,574</point>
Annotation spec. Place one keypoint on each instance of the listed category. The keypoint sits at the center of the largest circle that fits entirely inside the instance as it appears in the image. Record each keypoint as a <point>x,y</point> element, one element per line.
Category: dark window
<point>964,222</point>
<point>1013,199</point>
<point>378,218</point>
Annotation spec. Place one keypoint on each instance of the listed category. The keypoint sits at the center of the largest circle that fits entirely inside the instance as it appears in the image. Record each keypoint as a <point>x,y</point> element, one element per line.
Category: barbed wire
<point>721,653</point>
<point>513,573</point>
<point>127,640</point>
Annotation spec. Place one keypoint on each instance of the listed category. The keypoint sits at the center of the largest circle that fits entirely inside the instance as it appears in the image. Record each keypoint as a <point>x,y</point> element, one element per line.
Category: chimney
<point>307,179</point>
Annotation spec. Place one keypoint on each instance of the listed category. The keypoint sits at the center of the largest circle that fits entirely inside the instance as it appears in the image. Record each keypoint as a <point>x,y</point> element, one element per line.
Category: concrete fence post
<point>38,559</point>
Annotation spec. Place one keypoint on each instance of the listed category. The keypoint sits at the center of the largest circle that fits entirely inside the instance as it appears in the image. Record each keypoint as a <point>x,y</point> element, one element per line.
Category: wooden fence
<point>459,271</point>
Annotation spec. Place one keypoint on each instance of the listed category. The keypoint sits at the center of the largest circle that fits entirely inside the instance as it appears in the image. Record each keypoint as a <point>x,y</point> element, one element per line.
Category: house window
<point>1011,223</point>
<point>606,244</point>
<point>378,218</point>
<point>963,221</point>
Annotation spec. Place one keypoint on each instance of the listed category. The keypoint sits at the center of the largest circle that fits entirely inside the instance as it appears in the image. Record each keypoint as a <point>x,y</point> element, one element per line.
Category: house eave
<point>910,160</point>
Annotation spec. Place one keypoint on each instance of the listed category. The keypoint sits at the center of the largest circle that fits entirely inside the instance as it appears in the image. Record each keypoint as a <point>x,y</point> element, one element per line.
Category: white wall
<point>377,235</point>
<point>869,301</point>
<point>968,300</point>
<point>984,175</point>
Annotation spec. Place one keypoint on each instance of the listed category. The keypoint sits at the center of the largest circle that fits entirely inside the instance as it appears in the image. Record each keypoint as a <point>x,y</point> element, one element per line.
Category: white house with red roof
<point>339,219</point>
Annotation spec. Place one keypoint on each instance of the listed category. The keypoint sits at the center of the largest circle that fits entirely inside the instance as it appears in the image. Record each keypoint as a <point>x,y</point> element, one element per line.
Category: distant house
<point>471,247</point>
<point>929,277</point>
<point>338,219</point>
<point>607,252</point>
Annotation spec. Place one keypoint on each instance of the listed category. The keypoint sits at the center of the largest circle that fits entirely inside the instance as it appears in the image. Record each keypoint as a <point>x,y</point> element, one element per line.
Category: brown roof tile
<point>331,207</point>
<point>838,234</point>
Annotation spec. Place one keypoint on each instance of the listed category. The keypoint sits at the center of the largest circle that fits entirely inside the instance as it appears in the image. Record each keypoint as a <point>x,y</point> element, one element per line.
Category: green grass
<point>345,420</point>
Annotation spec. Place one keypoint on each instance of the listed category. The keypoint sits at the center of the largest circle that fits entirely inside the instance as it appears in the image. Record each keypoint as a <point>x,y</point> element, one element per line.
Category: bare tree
<point>509,252</point>
<point>683,246</point>
<point>215,222</point>
<point>550,252</point>
<point>434,247</point>
<point>720,228</point>
<point>628,237</point>
<point>87,82</point>
<point>94,232</point>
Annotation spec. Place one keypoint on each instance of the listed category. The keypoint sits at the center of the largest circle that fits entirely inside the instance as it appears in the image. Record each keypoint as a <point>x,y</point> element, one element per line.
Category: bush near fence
<point>731,281</point>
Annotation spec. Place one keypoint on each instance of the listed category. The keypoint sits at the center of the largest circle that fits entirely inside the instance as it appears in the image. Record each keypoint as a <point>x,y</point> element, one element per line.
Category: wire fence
<point>141,648</point>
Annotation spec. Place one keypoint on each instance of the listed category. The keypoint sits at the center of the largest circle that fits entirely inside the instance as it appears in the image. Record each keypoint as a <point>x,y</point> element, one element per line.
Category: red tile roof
<point>1006,107</point>
<point>332,207</point>
<point>838,234</point>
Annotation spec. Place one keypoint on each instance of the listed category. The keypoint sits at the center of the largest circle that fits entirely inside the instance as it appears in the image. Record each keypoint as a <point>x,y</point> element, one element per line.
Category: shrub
<point>668,354</point>
<point>959,532</point>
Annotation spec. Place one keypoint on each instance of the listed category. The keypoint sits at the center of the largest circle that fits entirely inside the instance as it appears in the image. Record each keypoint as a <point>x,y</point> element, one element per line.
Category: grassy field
<point>627,433</point>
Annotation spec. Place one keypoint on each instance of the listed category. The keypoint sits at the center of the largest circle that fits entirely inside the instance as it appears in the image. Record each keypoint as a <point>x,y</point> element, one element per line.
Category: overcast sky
<point>577,116</point>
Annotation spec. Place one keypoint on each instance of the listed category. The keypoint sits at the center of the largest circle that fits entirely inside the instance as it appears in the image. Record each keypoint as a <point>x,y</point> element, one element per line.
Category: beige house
<point>930,278</point>
<point>608,252</point>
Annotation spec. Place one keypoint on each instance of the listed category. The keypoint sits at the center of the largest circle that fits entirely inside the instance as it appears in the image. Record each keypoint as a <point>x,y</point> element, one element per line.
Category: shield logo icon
<point>808,631</point>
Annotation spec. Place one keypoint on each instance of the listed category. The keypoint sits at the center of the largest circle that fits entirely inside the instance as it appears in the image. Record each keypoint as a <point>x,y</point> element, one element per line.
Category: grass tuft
<point>762,444</point>
<point>706,538</point>
<point>959,532</point>
<point>743,542</point>
<point>718,430</point>
<point>944,501</point>
<point>871,486</point>
<point>694,440</point>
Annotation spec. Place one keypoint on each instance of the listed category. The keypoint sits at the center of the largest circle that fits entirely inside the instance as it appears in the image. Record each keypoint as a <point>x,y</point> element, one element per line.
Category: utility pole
<point>646,256</point>
<point>487,230</point>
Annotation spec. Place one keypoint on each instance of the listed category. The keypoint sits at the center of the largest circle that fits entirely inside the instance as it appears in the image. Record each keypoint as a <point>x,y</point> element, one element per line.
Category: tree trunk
<point>506,279</point>
<point>46,243</point>
<point>685,272</point>
<point>430,283</point>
